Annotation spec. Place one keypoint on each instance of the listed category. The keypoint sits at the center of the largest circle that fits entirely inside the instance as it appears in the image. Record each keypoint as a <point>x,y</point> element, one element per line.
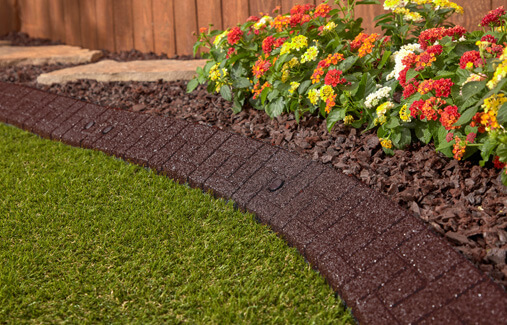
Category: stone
<point>39,55</point>
<point>108,70</point>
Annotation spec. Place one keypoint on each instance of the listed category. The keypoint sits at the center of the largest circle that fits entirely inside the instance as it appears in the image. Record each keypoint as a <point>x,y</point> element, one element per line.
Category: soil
<point>463,202</point>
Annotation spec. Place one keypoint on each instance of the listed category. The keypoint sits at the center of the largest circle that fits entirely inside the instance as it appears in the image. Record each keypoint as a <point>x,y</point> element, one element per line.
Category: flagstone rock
<point>109,70</point>
<point>39,55</point>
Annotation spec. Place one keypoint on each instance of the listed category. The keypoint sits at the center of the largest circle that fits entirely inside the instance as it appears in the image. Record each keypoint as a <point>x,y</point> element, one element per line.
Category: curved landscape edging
<point>383,261</point>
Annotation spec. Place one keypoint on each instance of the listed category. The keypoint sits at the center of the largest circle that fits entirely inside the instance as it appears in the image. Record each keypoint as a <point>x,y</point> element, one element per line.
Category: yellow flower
<point>382,109</point>
<point>219,38</point>
<point>310,54</point>
<point>285,75</point>
<point>325,92</point>
<point>328,27</point>
<point>386,143</point>
<point>404,114</point>
<point>300,42</point>
<point>215,73</point>
<point>313,96</point>
<point>347,120</point>
<point>286,48</point>
<point>293,62</point>
<point>500,73</point>
<point>293,86</point>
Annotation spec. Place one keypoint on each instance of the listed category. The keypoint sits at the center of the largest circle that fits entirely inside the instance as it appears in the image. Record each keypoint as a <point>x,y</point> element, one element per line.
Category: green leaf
<point>467,115</point>
<point>265,94</point>
<point>392,123</point>
<point>367,2</point>
<point>385,57</point>
<point>273,95</point>
<point>487,149</point>
<point>412,74</point>
<point>406,138</point>
<point>472,88</point>
<point>226,93</point>
<point>237,105</point>
<point>423,134</point>
<point>275,108</point>
<point>501,116</point>
<point>304,86</point>
<point>346,64</point>
<point>333,117</point>
<point>501,152</point>
<point>242,82</point>
<point>192,84</point>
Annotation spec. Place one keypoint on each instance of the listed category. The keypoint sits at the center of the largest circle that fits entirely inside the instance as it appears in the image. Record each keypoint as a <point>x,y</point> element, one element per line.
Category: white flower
<point>373,99</point>
<point>398,58</point>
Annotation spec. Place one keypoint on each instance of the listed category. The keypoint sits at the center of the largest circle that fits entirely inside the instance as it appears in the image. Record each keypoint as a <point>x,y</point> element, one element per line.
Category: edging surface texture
<point>383,261</point>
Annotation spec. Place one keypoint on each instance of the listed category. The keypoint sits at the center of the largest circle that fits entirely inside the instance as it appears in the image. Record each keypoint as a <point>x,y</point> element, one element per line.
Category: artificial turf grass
<point>88,238</point>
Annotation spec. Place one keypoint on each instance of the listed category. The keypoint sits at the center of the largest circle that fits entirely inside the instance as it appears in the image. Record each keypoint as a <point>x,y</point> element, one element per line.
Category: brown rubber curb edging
<point>383,261</point>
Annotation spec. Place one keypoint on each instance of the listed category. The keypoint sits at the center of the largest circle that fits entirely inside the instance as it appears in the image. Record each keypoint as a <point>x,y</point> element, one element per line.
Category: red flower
<point>442,87</point>
<point>449,137</point>
<point>260,67</point>
<point>426,108</point>
<point>301,9</point>
<point>253,18</point>
<point>430,36</point>
<point>459,148</point>
<point>267,44</point>
<point>279,41</point>
<point>435,49</point>
<point>333,78</point>
<point>358,41</point>
<point>231,51</point>
<point>234,35</point>
<point>473,57</point>
<point>449,116</point>
<point>476,121</point>
<point>322,10</point>
<point>410,89</point>
<point>471,137</point>
<point>497,163</point>
<point>492,19</point>
<point>489,38</point>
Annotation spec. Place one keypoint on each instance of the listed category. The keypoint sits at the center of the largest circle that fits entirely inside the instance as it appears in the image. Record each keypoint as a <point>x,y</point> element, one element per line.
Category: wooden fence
<point>162,25</point>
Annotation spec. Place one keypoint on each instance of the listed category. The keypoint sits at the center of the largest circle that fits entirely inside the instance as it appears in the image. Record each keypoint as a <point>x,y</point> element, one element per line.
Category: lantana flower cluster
<point>419,80</point>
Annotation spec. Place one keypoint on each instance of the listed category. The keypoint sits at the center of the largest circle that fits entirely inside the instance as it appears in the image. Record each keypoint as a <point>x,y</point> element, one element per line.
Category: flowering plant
<point>301,62</point>
<point>422,80</point>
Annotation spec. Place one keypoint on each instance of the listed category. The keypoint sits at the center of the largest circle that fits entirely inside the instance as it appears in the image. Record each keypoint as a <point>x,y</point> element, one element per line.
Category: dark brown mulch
<point>463,202</point>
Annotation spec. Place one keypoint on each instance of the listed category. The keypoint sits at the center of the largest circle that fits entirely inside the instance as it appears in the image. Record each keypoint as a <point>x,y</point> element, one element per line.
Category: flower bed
<point>422,81</point>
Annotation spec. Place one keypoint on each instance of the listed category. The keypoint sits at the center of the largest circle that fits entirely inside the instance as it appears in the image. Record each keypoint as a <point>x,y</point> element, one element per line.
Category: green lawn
<point>87,238</point>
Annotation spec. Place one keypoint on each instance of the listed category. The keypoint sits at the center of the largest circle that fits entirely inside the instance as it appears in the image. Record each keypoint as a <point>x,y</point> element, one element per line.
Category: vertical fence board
<point>56,20</point>
<point>88,24</point>
<point>474,11</point>
<point>33,17</point>
<point>264,6</point>
<point>368,13</point>
<point>9,20</point>
<point>497,3</point>
<point>143,25</point>
<point>105,25</point>
<point>234,12</point>
<point>185,18</point>
<point>163,20</point>
<point>209,12</point>
<point>123,25</point>
<point>72,19</point>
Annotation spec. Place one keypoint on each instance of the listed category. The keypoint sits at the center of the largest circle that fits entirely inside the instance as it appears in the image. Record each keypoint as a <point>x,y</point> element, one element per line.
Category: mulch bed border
<point>386,264</point>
